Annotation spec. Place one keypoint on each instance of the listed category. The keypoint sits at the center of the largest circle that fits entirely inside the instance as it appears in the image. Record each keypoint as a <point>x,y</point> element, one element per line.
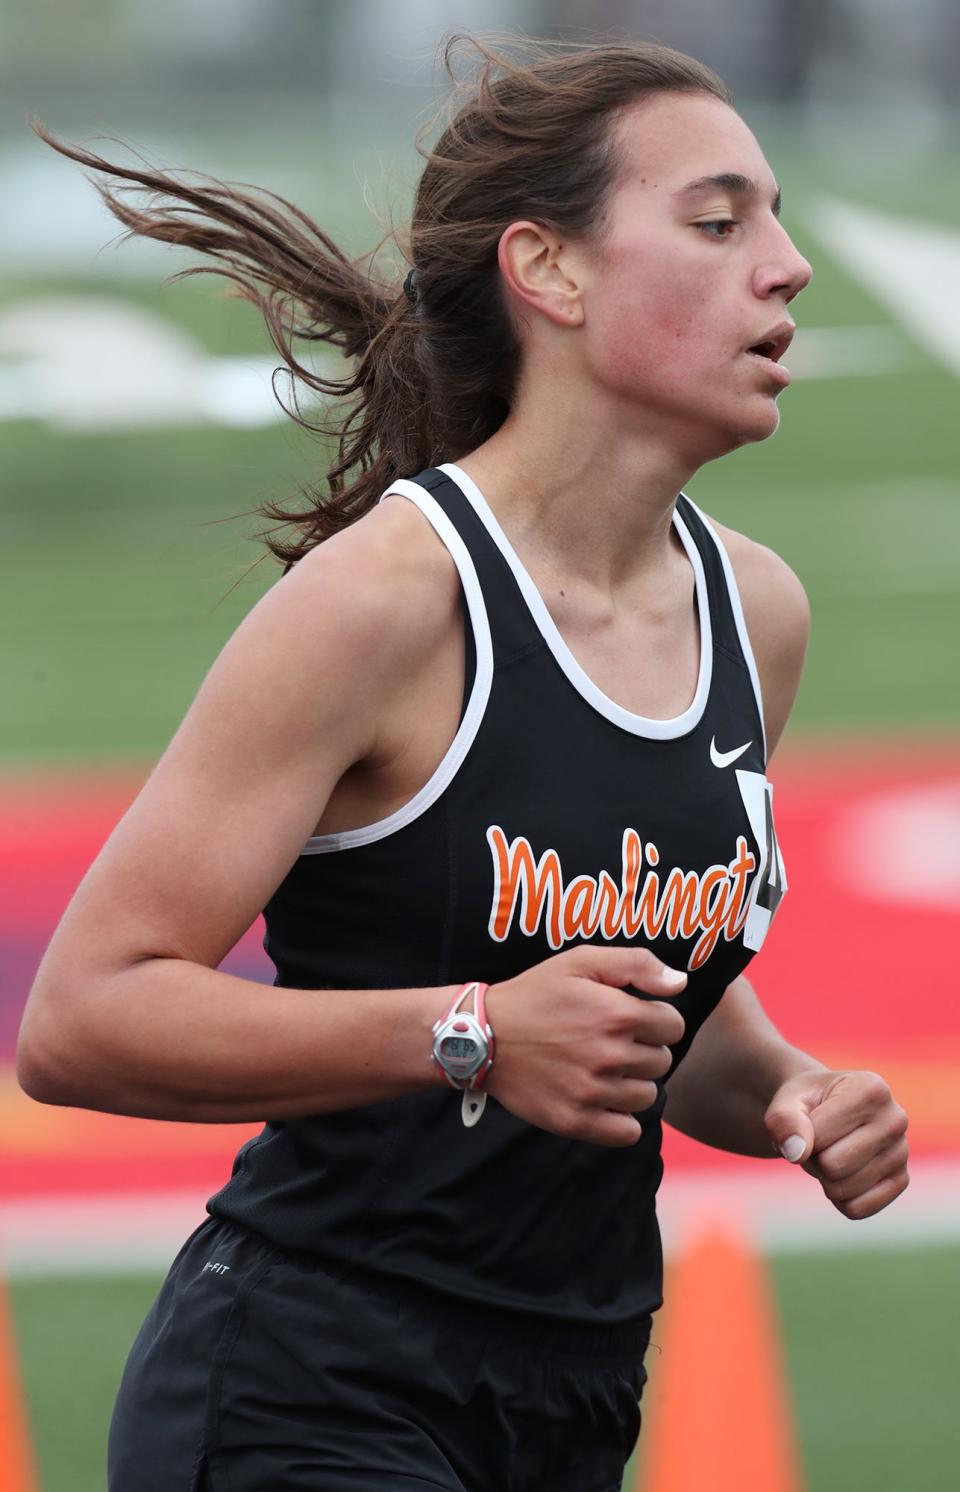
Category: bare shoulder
<point>388,578</point>
<point>299,694</point>
<point>351,622</point>
<point>774,600</point>
<point>777,614</point>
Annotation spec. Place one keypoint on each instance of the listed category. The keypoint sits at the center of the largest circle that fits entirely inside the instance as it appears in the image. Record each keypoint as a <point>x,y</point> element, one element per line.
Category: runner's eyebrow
<point>727,181</point>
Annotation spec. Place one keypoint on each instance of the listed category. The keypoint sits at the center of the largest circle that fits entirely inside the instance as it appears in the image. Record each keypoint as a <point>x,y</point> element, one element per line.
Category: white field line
<point>783,1209</point>
<point>779,1208</point>
<point>113,367</point>
<point>911,267</point>
<point>850,352</point>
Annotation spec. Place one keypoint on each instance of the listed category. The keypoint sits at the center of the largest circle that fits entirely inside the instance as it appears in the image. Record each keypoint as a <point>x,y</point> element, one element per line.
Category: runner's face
<point>683,282</point>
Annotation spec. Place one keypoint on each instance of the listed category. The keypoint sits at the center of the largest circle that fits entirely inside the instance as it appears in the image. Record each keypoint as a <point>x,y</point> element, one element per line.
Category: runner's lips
<point>775,344</point>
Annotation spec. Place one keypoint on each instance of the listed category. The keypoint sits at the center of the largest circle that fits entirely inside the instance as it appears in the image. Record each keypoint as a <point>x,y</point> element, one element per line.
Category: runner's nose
<point>784,271</point>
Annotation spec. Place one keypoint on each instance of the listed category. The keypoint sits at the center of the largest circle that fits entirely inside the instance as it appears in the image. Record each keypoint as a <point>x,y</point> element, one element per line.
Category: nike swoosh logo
<point>724,758</point>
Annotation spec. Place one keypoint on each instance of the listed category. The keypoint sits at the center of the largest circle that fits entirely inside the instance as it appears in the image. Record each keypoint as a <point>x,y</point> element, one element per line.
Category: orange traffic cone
<point>17,1469</point>
<point>720,1418</point>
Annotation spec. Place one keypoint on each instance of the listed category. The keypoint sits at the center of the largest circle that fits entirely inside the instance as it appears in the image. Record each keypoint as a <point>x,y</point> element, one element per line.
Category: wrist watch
<point>463,1047</point>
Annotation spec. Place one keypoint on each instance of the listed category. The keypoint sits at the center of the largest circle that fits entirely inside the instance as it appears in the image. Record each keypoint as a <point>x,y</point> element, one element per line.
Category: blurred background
<point>138,432</point>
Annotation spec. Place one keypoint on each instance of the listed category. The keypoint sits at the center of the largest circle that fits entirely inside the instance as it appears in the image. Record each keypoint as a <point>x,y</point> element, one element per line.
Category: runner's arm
<point>742,1086</point>
<point>722,1089</point>
<point>720,1092</point>
<point>128,1012</point>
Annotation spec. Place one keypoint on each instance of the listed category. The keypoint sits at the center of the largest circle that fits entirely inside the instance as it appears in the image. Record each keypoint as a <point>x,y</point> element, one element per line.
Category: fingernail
<point>673,977</point>
<point>793,1148</point>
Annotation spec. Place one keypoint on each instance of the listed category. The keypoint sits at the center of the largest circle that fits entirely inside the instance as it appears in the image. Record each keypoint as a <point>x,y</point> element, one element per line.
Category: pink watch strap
<point>478,990</point>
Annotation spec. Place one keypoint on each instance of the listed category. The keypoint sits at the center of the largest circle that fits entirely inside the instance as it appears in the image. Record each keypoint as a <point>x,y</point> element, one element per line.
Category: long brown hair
<point>431,373</point>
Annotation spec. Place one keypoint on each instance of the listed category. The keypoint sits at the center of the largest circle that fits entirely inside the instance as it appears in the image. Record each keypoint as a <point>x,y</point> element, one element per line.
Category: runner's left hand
<point>853,1133</point>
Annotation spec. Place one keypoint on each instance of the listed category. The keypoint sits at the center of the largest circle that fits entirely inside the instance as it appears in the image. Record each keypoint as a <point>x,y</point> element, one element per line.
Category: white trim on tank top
<point>320,844</point>
<point>736,605</point>
<point>637,725</point>
<point>325,844</point>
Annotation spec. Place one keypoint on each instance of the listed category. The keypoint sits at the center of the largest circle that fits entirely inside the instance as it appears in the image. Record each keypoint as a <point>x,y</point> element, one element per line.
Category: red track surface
<point>858,969</point>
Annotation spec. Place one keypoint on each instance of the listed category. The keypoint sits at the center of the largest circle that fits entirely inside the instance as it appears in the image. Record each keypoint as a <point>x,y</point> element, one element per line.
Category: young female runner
<point>503,733</point>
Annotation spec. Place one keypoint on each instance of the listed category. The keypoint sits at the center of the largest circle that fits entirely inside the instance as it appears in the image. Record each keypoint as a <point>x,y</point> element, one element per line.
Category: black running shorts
<point>260,1371</point>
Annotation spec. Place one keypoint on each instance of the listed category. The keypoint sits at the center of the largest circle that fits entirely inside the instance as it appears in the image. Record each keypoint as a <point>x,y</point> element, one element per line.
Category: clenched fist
<point>576,1053</point>
<point>846,1129</point>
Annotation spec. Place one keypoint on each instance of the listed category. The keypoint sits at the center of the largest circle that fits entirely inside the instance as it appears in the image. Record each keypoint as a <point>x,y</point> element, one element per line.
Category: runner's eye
<point>721,224</point>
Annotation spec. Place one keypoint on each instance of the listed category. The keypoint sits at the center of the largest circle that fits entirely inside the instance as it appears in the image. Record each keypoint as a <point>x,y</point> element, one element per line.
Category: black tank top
<point>556,817</point>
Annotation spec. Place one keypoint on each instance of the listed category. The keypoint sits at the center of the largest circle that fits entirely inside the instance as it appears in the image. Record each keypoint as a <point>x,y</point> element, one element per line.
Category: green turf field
<point>115,571</point>
<point>870,1341</point>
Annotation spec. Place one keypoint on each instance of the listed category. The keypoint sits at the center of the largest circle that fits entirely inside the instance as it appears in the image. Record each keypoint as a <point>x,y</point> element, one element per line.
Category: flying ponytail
<point>432,361</point>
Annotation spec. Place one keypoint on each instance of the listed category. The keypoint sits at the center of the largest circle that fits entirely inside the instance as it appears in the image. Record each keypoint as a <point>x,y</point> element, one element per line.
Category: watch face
<point>459,1048</point>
